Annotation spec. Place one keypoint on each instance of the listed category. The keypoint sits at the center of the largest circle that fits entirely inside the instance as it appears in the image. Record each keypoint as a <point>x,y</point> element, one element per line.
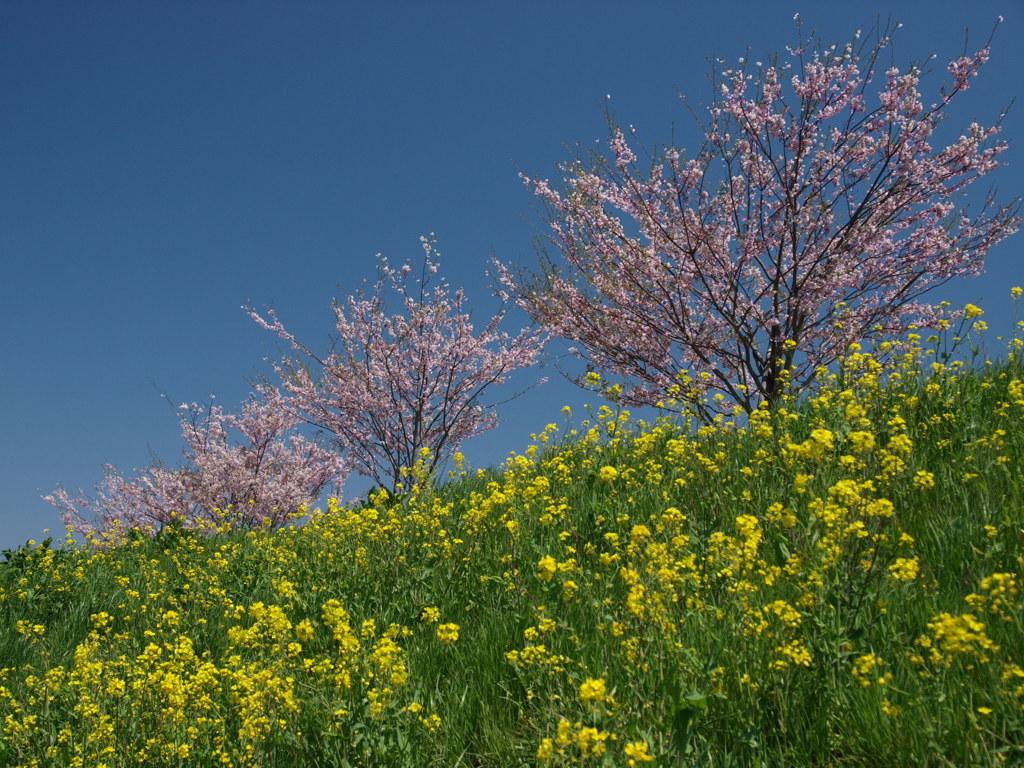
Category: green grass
<point>833,583</point>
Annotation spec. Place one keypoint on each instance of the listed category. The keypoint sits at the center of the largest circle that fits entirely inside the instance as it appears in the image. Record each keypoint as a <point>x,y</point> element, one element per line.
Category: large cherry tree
<point>816,214</point>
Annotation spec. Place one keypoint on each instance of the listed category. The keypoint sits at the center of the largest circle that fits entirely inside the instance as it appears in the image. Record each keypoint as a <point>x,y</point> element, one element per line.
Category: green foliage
<point>835,581</point>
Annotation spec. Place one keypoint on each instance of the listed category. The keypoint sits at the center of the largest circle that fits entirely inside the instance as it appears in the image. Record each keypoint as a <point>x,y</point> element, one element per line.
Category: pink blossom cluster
<point>263,480</point>
<point>813,216</point>
<point>399,388</point>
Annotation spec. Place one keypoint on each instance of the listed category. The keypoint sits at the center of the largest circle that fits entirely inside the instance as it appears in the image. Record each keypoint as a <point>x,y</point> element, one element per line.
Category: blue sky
<point>162,164</point>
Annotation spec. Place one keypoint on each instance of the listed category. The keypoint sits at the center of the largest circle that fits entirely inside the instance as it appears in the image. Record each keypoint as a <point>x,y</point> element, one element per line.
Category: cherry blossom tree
<point>267,478</point>
<point>814,215</point>
<point>395,389</point>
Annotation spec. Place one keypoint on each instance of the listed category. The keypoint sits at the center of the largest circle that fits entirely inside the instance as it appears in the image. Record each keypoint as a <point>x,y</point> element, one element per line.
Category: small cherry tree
<point>396,389</point>
<point>813,216</point>
<point>267,479</point>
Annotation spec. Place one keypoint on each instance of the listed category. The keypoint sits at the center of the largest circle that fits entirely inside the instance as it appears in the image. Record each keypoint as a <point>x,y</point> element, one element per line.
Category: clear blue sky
<point>163,163</point>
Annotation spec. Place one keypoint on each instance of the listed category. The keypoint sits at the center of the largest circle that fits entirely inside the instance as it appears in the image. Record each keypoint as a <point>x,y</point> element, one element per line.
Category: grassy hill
<point>835,582</point>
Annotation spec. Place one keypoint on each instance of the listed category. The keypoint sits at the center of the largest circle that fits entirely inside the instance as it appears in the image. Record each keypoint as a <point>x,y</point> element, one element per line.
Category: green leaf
<point>697,700</point>
<point>681,730</point>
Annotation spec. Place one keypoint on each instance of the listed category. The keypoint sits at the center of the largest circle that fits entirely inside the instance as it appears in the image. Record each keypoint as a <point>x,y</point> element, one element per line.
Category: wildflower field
<point>835,581</point>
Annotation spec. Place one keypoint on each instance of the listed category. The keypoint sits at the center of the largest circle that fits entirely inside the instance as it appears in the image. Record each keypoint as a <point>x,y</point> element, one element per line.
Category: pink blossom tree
<point>265,479</point>
<point>814,215</point>
<point>395,389</point>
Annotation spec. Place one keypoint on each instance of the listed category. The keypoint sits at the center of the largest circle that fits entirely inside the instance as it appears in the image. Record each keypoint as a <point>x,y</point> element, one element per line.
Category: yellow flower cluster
<point>448,633</point>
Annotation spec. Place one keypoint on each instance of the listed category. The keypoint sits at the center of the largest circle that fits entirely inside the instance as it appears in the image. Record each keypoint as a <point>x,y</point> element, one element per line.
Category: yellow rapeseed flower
<point>591,740</point>
<point>636,752</point>
<point>862,441</point>
<point>546,568</point>
<point>304,630</point>
<point>904,568</point>
<point>864,666</point>
<point>562,732</point>
<point>431,722</point>
<point>430,615</point>
<point>962,634</point>
<point>592,690</point>
<point>448,633</point>
<point>545,750</point>
<point>924,480</point>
